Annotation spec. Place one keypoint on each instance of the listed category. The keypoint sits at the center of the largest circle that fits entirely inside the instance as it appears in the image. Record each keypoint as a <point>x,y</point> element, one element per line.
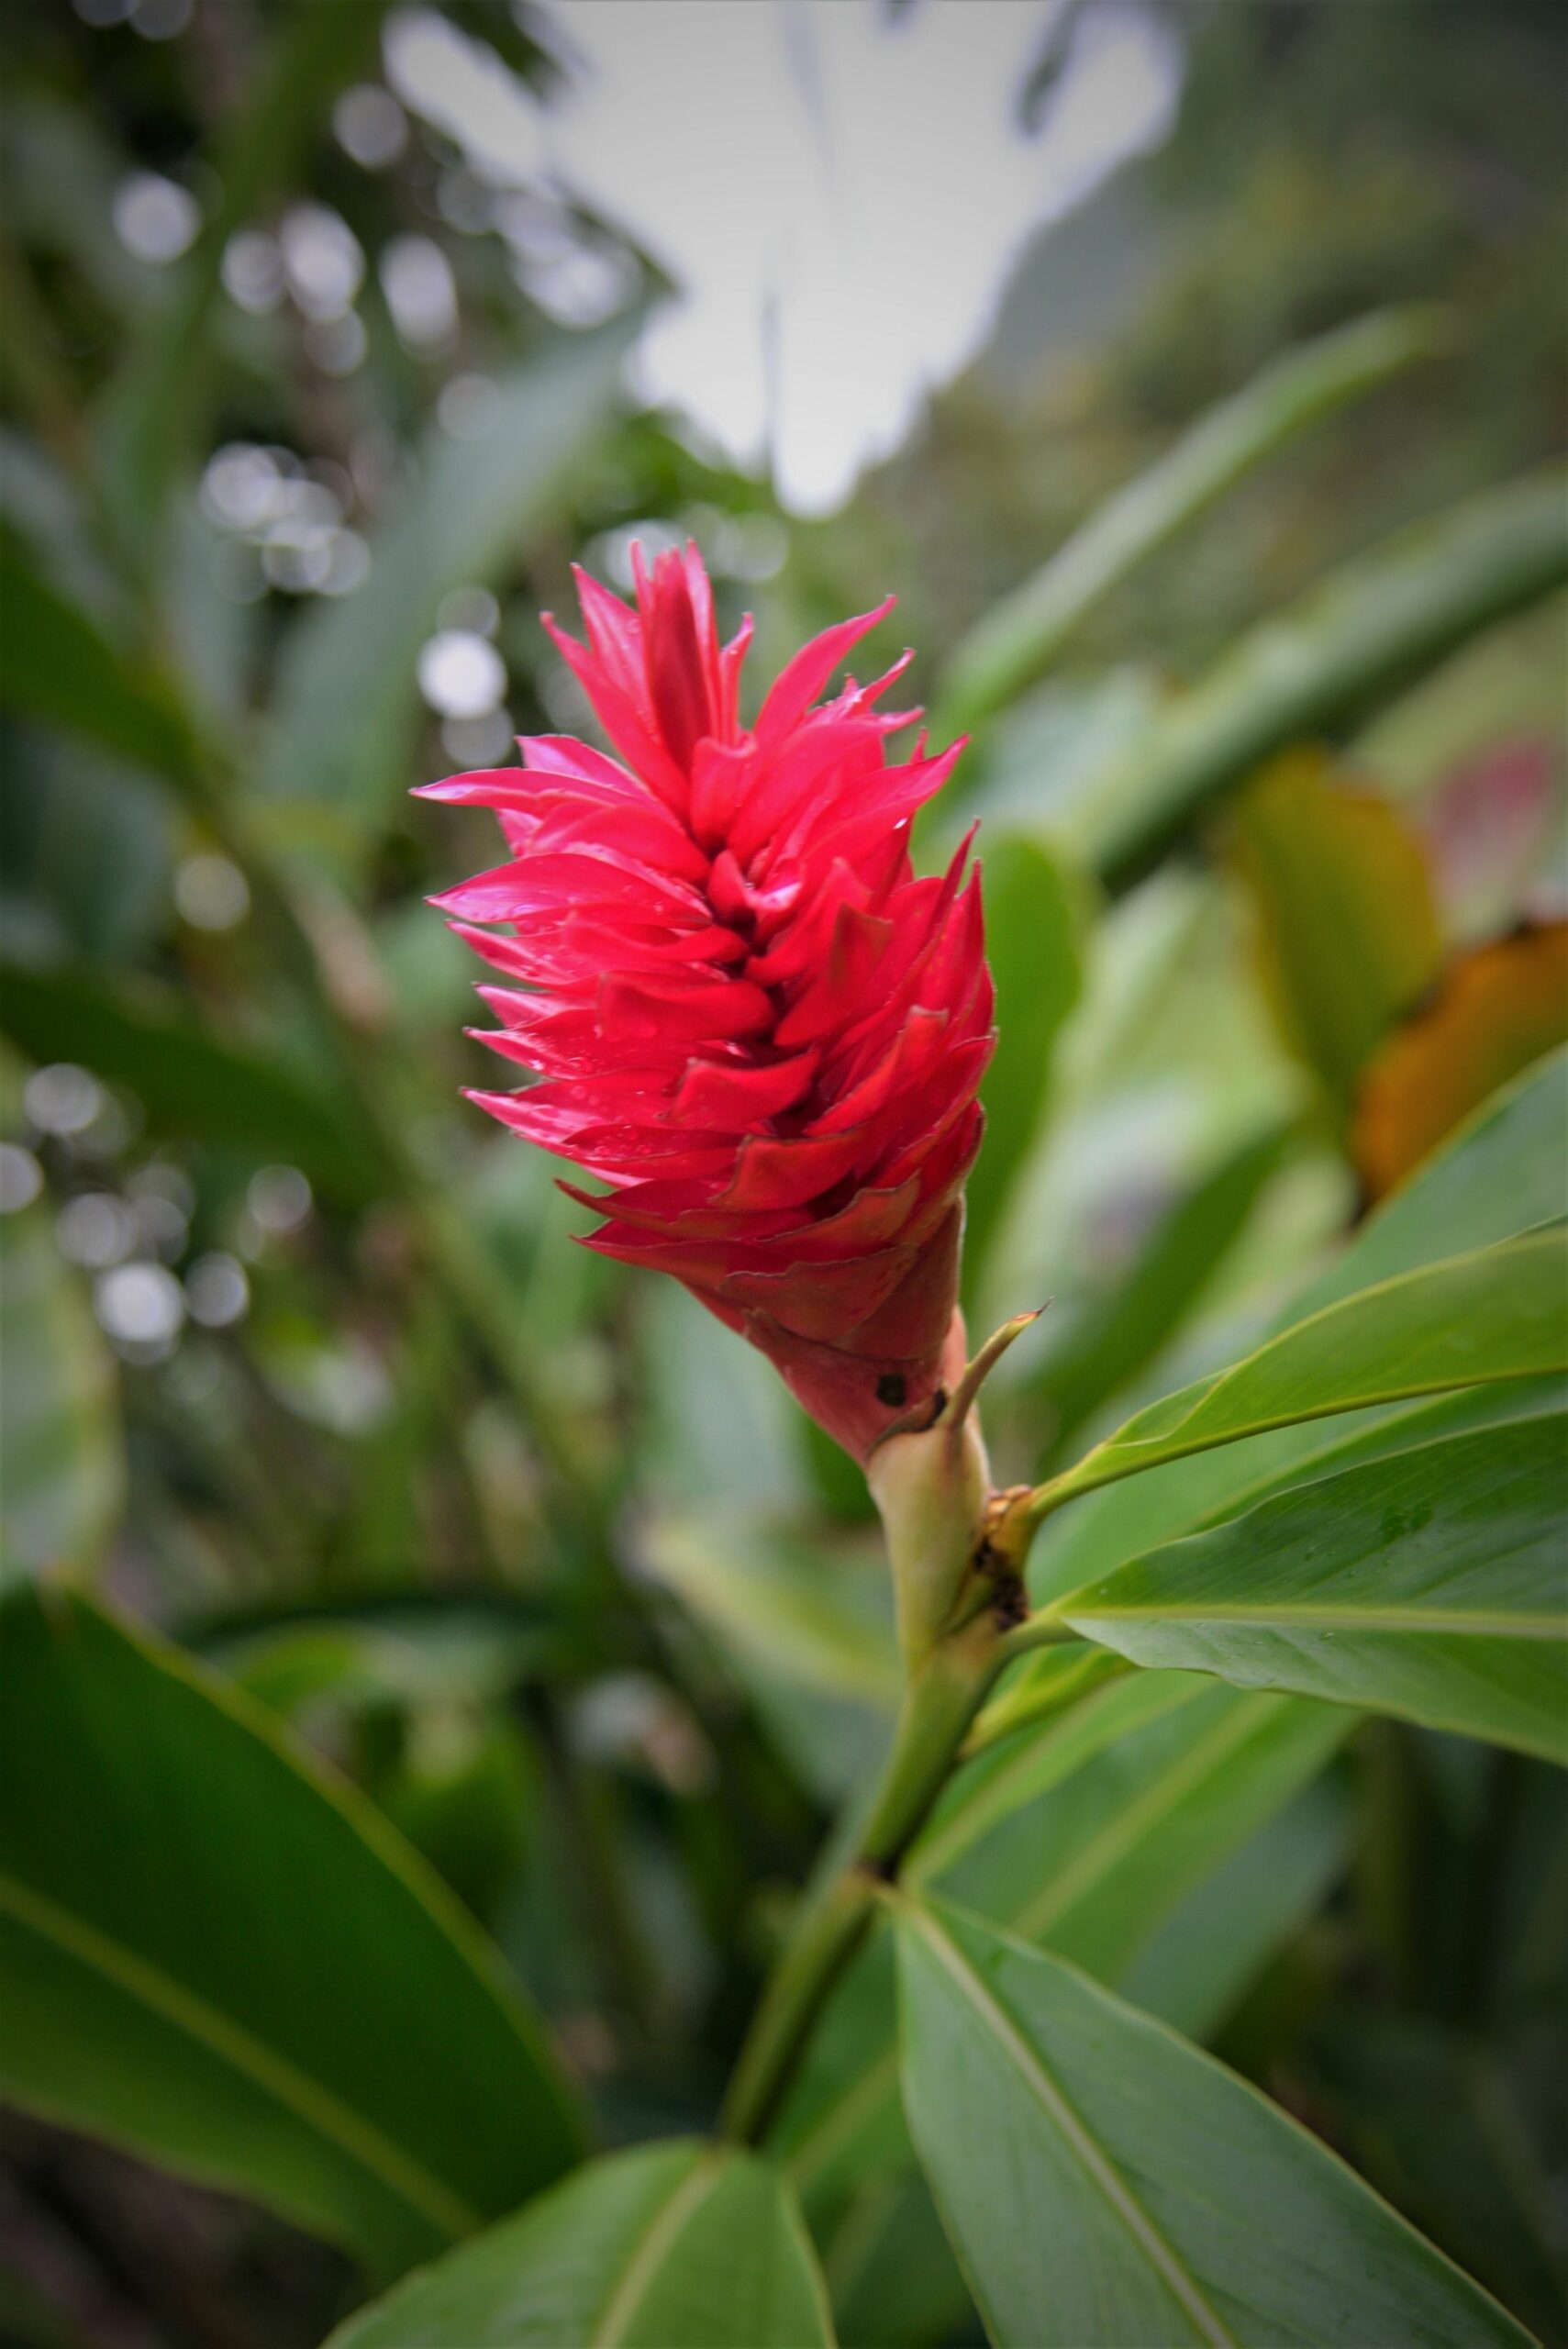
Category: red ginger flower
<point>751,1021</point>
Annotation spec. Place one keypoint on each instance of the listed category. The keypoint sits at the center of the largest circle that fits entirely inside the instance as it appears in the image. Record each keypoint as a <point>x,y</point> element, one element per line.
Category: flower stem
<point>941,1699</point>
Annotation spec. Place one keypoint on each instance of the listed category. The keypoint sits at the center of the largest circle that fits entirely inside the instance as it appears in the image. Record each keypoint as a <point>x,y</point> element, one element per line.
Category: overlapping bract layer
<point>751,1020</point>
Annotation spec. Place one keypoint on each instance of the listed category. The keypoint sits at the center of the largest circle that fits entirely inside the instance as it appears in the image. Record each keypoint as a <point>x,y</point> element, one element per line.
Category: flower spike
<point>749,1019</point>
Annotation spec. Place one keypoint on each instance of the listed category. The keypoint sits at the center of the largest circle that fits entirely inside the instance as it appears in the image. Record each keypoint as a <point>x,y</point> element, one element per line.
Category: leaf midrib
<point>1092,2160</point>
<point>1123,1454</point>
<point>664,2229</point>
<point>305,2097</point>
<point>1123,1458</point>
<point>1456,1620</point>
<point>1526,1244</point>
<point>1037,1917</point>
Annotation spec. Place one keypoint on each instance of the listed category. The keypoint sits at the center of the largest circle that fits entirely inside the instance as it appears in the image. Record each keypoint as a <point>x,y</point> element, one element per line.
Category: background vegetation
<point>299,1368</point>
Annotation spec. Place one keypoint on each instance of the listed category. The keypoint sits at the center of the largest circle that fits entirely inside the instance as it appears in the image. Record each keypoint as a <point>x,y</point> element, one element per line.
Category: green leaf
<point>431,1647</point>
<point>1199,1964</point>
<point>188,1081</point>
<point>1032,926</point>
<point>212,1955</point>
<point>1020,636</point>
<point>1500,1175</point>
<point>1496,1009</point>
<point>1093,1866</point>
<point>999,1785</point>
<point>1322,859</point>
<point>1430,1586</point>
<point>1497,1313</point>
<point>347,702</point>
<point>1362,636</point>
<point>679,2246</point>
<point>1103,2181</point>
<point>61,1453</point>
<point>1089,1837</point>
<point>56,666</point>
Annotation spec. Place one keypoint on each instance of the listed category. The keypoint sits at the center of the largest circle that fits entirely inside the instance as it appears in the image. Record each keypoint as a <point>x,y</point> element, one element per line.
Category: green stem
<point>1044,1629</point>
<point>1031,1702</point>
<point>941,1699</point>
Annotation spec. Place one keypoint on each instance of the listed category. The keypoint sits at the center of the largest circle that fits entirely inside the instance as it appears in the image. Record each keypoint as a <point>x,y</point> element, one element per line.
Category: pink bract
<point>752,1022</point>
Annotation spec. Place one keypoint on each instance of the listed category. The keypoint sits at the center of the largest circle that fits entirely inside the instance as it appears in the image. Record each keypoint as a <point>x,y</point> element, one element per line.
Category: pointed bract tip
<point>962,1399</point>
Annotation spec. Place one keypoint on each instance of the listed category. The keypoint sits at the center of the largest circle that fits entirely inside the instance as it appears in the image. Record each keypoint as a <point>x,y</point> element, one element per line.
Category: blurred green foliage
<point>300,1366</point>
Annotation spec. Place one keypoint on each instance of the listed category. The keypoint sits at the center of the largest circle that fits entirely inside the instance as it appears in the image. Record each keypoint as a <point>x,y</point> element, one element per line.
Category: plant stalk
<point>941,1699</point>
<point>956,1594</point>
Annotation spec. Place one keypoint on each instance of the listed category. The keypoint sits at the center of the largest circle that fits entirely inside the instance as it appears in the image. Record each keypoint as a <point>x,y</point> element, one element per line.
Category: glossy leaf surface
<point>1501,1174</point>
<point>1431,1586</point>
<point>1090,1835</point>
<point>1494,1313</point>
<point>1106,2182</point>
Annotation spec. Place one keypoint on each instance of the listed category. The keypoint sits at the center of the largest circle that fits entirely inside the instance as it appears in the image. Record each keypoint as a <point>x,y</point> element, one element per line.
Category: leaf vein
<point>279,2078</point>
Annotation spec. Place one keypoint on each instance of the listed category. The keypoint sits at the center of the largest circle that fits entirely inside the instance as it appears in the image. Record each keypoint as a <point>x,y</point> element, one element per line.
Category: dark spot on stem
<point>1009,1600</point>
<point>892,1388</point>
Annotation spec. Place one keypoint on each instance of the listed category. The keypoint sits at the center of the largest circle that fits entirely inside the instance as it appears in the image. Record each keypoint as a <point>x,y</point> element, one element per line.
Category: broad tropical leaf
<point>1431,1585</point>
<point>679,2246</point>
<point>1497,1009</point>
<point>1090,1836</point>
<point>1104,2181</point>
<point>212,1955</point>
<point>1198,1965</point>
<point>1496,1314</point>
<point>1112,1335</point>
<point>1436,2118</point>
<point>1092,1868</point>
<point>1501,1174</point>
